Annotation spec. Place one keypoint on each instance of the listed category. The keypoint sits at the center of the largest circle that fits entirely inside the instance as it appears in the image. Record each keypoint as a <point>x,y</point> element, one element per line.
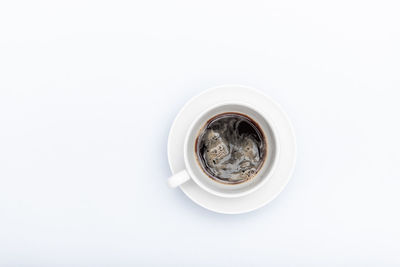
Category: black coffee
<point>231,148</point>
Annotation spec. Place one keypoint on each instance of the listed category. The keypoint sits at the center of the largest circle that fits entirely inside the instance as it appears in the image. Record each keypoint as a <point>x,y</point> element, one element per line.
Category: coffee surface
<point>231,148</point>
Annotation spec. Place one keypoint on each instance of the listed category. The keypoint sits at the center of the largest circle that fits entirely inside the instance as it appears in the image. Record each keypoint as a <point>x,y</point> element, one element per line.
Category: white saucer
<point>284,165</point>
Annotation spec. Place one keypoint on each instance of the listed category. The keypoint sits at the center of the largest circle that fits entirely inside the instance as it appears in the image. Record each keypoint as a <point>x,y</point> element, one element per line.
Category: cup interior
<point>222,189</point>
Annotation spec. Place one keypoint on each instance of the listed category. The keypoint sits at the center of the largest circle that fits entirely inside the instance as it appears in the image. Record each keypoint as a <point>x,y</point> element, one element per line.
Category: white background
<point>89,89</point>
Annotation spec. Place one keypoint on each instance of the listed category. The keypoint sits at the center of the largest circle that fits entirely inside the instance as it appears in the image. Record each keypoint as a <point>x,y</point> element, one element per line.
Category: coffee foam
<point>231,148</point>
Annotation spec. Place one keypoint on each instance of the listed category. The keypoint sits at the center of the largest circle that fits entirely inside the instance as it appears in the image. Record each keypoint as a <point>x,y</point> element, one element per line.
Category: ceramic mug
<point>193,171</point>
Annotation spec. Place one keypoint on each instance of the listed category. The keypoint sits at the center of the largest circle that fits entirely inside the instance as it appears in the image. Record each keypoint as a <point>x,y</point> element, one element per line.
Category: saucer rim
<point>289,129</point>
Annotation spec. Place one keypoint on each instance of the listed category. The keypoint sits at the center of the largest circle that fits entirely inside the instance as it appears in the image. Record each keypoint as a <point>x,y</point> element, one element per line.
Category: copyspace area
<point>89,89</point>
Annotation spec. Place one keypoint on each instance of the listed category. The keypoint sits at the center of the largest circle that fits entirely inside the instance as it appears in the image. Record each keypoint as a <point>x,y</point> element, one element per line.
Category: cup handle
<point>178,179</point>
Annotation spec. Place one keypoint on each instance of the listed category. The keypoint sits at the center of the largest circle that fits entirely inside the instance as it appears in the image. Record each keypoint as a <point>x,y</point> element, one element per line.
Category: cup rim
<point>188,167</point>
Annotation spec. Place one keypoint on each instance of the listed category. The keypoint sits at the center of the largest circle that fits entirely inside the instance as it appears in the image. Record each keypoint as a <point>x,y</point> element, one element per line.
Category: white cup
<point>194,171</point>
